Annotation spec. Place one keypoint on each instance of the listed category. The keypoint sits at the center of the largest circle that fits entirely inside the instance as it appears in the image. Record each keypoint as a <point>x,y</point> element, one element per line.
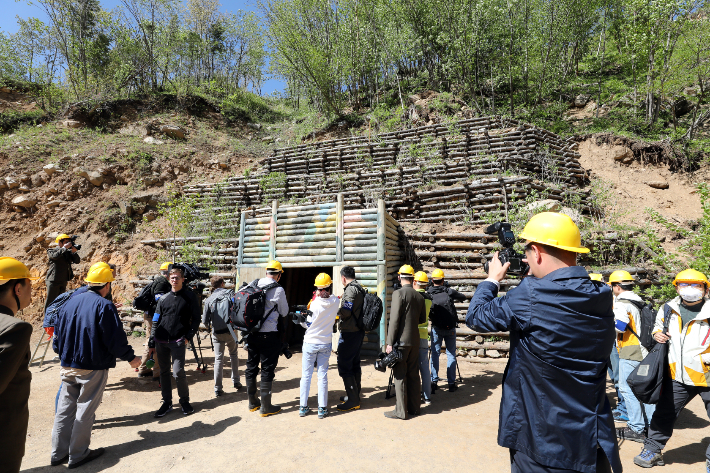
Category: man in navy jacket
<point>554,413</point>
<point>88,337</point>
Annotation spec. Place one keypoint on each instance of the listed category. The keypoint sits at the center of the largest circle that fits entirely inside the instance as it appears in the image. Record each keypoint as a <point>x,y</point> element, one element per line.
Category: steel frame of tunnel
<point>326,236</point>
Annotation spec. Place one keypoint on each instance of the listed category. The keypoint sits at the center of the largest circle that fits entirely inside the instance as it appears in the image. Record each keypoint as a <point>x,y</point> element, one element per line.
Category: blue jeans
<point>318,354</point>
<point>349,353</point>
<point>424,367</point>
<point>633,406</point>
<point>614,376</point>
<point>449,338</point>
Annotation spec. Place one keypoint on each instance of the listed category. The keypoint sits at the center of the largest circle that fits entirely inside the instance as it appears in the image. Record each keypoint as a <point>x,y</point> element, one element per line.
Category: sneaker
<point>627,434</point>
<point>322,412</point>
<point>186,408</point>
<point>93,455</point>
<point>218,393</point>
<point>302,411</point>
<point>619,417</point>
<point>164,409</point>
<point>426,403</point>
<point>649,459</point>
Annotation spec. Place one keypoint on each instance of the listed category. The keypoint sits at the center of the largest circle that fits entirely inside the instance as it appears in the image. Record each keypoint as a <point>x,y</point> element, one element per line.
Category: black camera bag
<point>646,380</point>
<point>371,313</point>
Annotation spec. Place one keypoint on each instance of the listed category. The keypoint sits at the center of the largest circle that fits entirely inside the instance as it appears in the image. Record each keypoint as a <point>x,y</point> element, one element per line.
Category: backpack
<point>648,320</point>
<point>646,380</point>
<point>223,305</point>
<point>443,311</point>
<point>249,308</point>
<point>50,315</point>
<point>145,300</point>
<point>371,313</point>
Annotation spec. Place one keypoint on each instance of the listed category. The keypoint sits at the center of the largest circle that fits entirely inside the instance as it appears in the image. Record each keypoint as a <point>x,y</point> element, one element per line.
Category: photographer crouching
<point>60,271</point>
<point>561,331</point>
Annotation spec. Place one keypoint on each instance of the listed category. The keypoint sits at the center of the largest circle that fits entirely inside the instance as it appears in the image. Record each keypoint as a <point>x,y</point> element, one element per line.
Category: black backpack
<point>443,311</point>
<point>144,301</point>
<point>648,320</point>
<point>371,313</point>
<point>249,308</point>
<point>646,380</point>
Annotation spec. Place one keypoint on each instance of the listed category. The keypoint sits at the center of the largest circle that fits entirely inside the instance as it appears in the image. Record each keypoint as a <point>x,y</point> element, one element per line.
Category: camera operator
<point>60,272</point>
<point>407,312</point>
<point>561,327</point>
<point>264,346</point>
<point>351,338</point>
<point>177,316</point>
<point>158,287</point>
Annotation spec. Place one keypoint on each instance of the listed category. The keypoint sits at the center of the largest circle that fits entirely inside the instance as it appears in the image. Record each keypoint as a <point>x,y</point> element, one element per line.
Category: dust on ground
<point>456,433</point>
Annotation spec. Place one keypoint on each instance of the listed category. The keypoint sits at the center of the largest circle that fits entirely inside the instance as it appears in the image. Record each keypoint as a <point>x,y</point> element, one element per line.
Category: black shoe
<point>453,387</point>
<point>627,434</point>
<point>238,385</point>
<point>164,409</point>
<point>392,415</point>
<point>145,374</point>
<point>218,393</point>
<point>434,387</point>
<point>60,461</point>
<point>186,408</point>
<point>648,459</point>
<point>93,455</point>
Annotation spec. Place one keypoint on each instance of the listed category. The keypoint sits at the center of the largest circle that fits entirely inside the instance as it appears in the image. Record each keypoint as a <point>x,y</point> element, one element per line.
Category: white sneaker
<point>427,403</point>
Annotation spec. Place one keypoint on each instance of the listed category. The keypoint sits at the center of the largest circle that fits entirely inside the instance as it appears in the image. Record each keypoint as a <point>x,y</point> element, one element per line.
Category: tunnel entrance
<point>298,284</point>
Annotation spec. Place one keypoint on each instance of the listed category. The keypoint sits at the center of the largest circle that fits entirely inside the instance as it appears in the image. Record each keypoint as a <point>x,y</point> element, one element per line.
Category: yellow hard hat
<point>406,269</point>
<point>11,269</point>
<point>274,265</point>
<point>437,274</point>
<point>99,274</point>
<point>690,275</point>
<point>596,277</point>
<point>420,276</point>
<point>61,237</point>
<point>554,229</point>
<point>323,281</point>
<point>620,276</point>
<point>165,266</point>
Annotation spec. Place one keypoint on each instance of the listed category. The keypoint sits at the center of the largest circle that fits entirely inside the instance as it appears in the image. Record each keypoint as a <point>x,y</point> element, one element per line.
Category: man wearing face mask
<point>689,358</point>
<point>554,412</point>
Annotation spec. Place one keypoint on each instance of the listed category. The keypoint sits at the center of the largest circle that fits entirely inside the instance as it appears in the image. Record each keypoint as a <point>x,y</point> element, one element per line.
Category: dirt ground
<point>456,433</point>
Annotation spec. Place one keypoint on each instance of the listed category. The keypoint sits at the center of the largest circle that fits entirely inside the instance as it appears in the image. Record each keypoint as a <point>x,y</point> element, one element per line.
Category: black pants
<point>349,353</point>
<point>521,463</point>
<point>407,383</point>
<point>53,291</point>
<point>262,348</point>
<point>674,397</point>
<point>171,357</point>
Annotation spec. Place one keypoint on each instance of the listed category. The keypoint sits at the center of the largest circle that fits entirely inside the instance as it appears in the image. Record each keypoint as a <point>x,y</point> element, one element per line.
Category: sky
<point>12,9</point>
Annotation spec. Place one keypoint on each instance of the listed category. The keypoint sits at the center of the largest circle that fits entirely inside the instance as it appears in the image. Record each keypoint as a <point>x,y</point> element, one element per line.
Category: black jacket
<point>177,314</point>
<point>60,261</point>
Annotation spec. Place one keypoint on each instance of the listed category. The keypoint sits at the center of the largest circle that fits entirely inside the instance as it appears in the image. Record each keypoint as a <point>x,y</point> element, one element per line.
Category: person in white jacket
<point>688,339</point>
<point>317,344</point>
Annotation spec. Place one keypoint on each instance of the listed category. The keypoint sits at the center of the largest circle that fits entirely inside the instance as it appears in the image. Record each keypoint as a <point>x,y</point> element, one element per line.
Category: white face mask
<point>690,294</point>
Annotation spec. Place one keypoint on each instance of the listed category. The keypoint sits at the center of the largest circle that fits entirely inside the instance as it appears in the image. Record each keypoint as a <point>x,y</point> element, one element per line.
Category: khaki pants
<point>148,325</point>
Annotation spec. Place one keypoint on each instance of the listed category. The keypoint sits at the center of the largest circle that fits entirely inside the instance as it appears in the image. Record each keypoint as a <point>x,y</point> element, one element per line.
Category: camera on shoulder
<point>73,242</point>
<point>507,254</point>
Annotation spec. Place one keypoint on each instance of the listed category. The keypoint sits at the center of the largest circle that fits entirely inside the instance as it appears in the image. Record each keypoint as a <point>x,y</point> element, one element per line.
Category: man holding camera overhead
<point>60,272</point>
<point>554,412</point>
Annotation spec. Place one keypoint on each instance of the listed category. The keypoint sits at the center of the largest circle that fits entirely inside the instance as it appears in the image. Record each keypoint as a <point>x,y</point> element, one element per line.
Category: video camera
<point>299,313</point>
<point>388,360</point>
<point>73,242</point>
<point>507,255</point>
<point>192,272</point>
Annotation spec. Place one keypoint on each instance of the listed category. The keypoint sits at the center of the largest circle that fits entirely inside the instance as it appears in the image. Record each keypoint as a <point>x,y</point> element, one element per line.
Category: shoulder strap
<point>639,304</point>
<point>666,319</point>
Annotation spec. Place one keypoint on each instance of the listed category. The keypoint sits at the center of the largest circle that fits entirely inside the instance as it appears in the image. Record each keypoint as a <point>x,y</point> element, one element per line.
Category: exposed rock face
<point>24,201</point>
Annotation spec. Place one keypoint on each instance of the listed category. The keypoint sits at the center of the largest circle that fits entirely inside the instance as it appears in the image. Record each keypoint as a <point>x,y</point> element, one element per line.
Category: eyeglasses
<point>694,285</point>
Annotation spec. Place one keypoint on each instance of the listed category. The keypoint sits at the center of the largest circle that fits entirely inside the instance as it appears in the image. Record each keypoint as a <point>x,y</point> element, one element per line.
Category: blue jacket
<point>554,406</point>
<point>89,335</point>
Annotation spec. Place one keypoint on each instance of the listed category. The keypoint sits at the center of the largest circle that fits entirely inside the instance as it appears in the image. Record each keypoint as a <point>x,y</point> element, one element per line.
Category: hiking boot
<point>358,379</point>
<point>322,412</point>
<point>238,385</point>
<point>164,409</point>
<point>627,434</point>
<point>353,401</point>
<point>254,402</point>
<point>186,408</point>
<point>649,459</point>
<point>303,410</point>
<point>267,409</point>
<point>93,455</point>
